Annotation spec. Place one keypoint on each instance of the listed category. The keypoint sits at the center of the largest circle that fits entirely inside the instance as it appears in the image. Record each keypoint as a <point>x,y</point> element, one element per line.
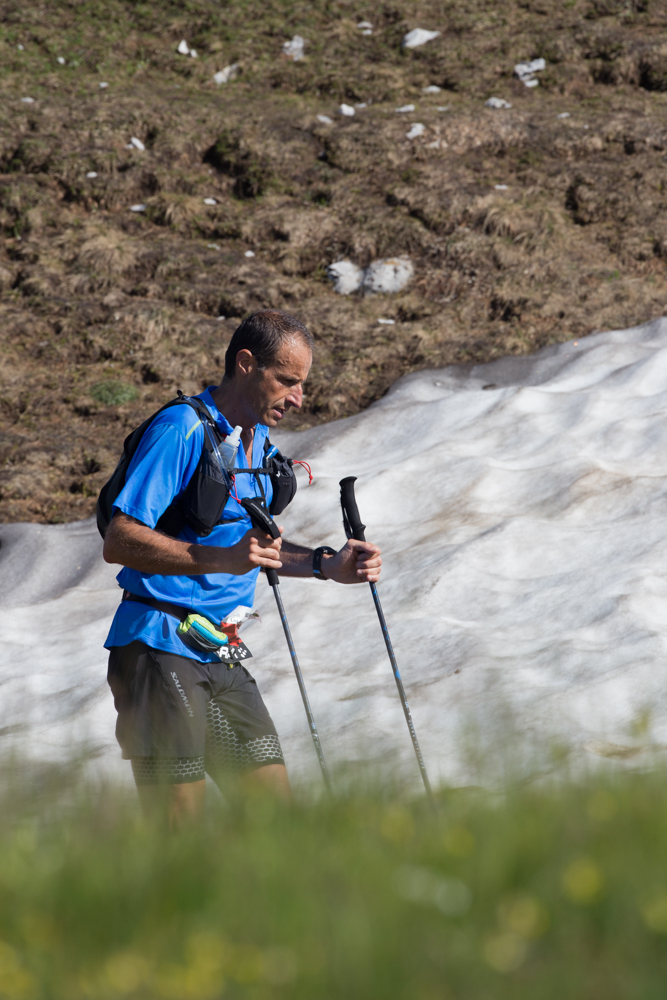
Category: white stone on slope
<point>183,48</point>
<point>294,49</point>
<point>346,276</point>
<point>227,74</point>
<point>417,37</point>
<point>520,506</point>
<point>388,276</point>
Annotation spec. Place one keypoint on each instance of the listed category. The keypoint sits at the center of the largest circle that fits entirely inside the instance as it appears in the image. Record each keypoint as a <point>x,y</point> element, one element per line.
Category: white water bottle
<point>229,448</point>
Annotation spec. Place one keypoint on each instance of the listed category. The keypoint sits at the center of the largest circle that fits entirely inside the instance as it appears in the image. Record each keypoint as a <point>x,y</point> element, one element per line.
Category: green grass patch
<point>113,392</point>
<point>535,894</point>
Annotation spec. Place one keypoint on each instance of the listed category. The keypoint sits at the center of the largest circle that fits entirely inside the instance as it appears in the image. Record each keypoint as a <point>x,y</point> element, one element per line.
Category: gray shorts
<point>179,718</point>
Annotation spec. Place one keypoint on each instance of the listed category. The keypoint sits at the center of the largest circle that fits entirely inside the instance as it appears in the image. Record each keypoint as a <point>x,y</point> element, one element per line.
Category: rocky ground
<point>525,228</point>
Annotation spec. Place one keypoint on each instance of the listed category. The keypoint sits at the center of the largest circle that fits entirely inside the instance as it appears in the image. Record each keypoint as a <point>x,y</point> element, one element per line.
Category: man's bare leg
<point>270,778</point>
<point>175,806</point>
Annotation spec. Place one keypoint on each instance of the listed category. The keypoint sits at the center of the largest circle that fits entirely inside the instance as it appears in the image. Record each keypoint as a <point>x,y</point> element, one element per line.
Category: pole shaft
<point>302,686</point>
<point>401,692</point>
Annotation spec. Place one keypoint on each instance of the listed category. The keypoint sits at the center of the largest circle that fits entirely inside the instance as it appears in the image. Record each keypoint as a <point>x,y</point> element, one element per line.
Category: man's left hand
<point>357,562</point>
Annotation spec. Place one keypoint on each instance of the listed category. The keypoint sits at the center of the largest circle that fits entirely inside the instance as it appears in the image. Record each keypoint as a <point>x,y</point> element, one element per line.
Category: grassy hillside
<point>534,895</point>
<point>105,312</point>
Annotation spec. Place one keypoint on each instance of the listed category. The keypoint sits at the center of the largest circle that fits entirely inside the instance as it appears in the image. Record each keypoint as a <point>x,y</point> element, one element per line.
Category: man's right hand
<point>256,548</point>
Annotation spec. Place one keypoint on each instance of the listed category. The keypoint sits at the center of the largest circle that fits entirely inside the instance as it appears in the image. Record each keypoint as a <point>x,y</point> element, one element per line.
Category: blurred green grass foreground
<point>557,891</point>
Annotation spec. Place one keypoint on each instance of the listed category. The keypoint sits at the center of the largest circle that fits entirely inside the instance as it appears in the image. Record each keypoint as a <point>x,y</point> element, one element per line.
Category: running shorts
<point>179,718</point>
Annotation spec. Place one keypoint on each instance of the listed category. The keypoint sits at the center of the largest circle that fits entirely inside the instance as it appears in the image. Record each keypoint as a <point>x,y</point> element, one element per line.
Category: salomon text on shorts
<point>178,718</point>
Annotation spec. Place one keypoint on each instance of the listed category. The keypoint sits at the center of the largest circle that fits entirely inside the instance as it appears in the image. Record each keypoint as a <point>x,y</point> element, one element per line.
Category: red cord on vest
<point>306,467</point>
<point>232,490</point>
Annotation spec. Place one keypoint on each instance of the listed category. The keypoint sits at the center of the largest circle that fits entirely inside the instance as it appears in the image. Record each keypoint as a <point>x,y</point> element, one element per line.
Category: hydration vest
<point>202,502</point>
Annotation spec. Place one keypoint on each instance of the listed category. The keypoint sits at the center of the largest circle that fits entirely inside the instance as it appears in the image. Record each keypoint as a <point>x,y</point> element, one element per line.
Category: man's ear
<point>245,363</point>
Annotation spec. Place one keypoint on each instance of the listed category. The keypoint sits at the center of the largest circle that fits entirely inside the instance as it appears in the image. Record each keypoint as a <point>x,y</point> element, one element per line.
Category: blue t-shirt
<point>160,470</point>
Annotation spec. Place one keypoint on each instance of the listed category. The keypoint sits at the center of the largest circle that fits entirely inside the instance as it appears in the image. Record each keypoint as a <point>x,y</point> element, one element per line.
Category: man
<point>181,711</point>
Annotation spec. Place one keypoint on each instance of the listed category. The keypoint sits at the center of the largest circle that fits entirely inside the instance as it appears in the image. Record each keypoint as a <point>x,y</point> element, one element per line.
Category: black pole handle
<point>351,519</point>
<point>262,521</point>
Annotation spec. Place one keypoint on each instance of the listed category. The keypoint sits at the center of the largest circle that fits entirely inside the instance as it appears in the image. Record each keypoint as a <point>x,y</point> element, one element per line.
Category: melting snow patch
<point>103,85</point>
<point>417,37</point>
<point>441,108</point>
<point>227,74</point>
<point>135,143</point>
<point>324,119</point>
<point>415,131</point>
<point>27,100</point>
<point>347,110</point>
<point>19,47</point>
<point>362,105</point>
<point>91,174</point>
<point>540,541</point>
<point>497,102</point>
<point>183,48</point>
<point>386,322</point>
<point>388,276</point>
<point>564,114</point>
<point>294,48</point>
<point>213,246</point>
<point>249,253</point>
<point>60,60</point>
<point>137,208</point>
<point>193,53</point>
<point>405,109</point>
<point>346,276</point>
<point>210,201</point>
<point>526,71</point>
<point>431,89</point>
<point>501,187</point>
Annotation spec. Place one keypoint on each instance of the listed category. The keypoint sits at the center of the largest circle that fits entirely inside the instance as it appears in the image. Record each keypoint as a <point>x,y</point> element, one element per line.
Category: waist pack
<point>203,500</point>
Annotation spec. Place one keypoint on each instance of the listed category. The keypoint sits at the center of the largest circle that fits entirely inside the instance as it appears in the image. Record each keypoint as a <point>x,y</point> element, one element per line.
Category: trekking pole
<point>262,520</point>
<point>355,529</point>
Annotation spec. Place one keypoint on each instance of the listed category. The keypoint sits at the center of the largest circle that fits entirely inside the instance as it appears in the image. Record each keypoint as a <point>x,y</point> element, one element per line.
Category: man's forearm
<point>139,547</point>
<point>297,560</point>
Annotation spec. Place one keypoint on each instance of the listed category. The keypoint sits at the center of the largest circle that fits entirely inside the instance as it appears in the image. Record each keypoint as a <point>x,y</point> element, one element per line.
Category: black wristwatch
<point>317,560</point>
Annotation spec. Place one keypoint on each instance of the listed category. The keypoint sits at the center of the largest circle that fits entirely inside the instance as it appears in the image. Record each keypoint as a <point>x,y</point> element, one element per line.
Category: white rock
<point>405,109</point>
<point>386,322</point>
<point>364,24</point>
<point>103,85</point>
<point>417,37</point>
<point>91,174</point>
<point>434,145</point>
<point>501,187</point>
<point>19,47</point>
<point>362,105</point>
<point>60,60</point>
<point>137,208</point>
<point>564,114</point>
<point>294,48</point>
<point>27,100</point>
<point>389,275</point>
<point>531,82</point>
<point>497,102</point>
<point>137,143</point>
<point>193,53</point>
<point>528,68</point>
<point>249,253</point>
<point>346,276</point>
<point>227,74</point>
<point>367,31</point>
<point>219,318</point>
<point>347,110</point>
<point>183,48</point>
<point>415,131</point>
<point>213,246</point>
<point>210,201</point>
<point>324,119</point>
<point>441,108</point>
<point>431,89</point>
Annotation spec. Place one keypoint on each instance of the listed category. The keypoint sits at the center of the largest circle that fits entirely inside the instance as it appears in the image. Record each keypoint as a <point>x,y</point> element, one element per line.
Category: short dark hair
<point>263,334</point>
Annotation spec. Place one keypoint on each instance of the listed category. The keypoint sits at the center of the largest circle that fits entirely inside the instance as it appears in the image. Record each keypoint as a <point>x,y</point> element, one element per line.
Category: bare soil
<point>106,312</point>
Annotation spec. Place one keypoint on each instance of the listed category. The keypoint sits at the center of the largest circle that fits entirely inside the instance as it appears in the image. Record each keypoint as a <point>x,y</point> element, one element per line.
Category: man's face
<point>273,391</point>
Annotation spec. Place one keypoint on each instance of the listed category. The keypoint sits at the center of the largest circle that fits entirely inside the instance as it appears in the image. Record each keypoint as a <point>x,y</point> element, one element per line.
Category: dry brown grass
<point>90,291</point>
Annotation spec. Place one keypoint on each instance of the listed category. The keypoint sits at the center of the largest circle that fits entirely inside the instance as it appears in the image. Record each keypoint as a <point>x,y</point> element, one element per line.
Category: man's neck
<point>236,411</point>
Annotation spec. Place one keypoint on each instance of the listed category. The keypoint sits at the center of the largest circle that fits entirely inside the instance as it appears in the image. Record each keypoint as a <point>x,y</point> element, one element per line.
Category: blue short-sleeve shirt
<point>159,471</point>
